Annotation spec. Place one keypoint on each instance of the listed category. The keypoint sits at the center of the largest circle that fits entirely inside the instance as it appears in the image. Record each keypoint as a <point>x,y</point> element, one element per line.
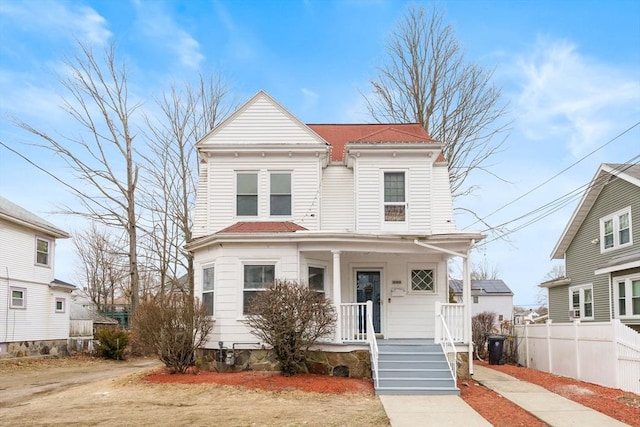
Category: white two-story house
<point>360,212</point>
<point>34,306</point>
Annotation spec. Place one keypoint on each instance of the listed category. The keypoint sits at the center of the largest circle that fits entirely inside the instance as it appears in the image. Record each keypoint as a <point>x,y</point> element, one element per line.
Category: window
<point>60,303</point>
<point>18,297</point>
<point>394,197</point>
<point>615,230</point>
<point>280,200</point>
<point>316,279</point>
<point>422,280</point>
<point>42,251</point>
<point>627,295</point>
<point>581,302</point>
<point>247,194</point>
<point>475,299</point>
<point>256,279</point>
<point>208,290</point>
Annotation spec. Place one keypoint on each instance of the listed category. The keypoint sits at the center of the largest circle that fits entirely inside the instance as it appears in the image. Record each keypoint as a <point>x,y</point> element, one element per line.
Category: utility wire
<point>483,219</point>
<point>560,202</point>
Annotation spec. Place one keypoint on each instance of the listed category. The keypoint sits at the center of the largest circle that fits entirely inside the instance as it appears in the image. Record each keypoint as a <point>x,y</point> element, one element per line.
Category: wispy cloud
<point>158,25</point>
<point>57,19</point>
<point>568,97</point>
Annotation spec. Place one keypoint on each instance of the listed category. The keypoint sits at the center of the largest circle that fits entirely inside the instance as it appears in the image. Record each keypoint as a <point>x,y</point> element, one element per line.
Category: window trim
<point>63,302</point>
<point>324,277</point>
<point>257,194</point>
<point>421,266</point>
<point>628,280</point>
<point>254,262</point>
<point>581,302</point>
<point>615,218</point>
<point>282,172</point>
<point>405,204</point>
<point>49,251</point>
<point>24,298</point>
<point>212,291</point>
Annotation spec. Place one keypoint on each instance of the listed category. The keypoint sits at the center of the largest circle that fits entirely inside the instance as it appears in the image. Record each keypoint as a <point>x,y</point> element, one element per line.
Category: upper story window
<point>257,278</point>
<point>43,255</point>
<point>208,290</point>
<point>627,296</point>
<point>581,302</point>
<point>316,279</point>
<point>394,197</point>
<point>247,194</point>
<point>615,230</point>
<point>280,193</point>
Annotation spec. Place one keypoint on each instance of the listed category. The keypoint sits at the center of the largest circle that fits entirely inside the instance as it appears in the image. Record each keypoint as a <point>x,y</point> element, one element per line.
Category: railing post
<point>437,338</point>
<point>369,320</point>
<point>337,295</point>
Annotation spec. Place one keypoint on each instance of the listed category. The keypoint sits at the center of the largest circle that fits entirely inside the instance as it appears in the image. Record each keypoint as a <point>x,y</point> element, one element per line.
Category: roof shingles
<point>262,227</point>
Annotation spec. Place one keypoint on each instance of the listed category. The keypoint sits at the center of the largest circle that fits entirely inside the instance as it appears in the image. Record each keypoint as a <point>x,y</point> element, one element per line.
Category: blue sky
<point>570,72</point>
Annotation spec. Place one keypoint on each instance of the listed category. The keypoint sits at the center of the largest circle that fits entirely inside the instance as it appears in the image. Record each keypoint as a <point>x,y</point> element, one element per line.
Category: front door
<point>368,288</point>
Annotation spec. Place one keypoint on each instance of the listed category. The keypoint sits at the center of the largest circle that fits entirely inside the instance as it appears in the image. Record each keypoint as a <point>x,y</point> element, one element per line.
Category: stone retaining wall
<point>352,364</point>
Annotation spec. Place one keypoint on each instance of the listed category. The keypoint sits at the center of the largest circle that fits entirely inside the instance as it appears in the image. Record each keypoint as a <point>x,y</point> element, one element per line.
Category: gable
<point>262,121</point>
<point>626,172</point>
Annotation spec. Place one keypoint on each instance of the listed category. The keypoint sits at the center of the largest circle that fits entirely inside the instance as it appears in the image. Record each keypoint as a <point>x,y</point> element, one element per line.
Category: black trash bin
<point>495,344</point>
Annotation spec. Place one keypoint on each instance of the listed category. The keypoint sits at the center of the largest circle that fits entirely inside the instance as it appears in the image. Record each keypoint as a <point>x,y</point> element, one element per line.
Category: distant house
<point>34,306</point>
<point>487,295</point>
<point>525,316</point>
<point>601,249</point>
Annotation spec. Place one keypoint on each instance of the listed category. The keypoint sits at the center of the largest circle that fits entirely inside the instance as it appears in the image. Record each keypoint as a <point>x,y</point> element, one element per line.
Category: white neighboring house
<point>487,296</point>
<point>34,306</point>
<point>360,212</point>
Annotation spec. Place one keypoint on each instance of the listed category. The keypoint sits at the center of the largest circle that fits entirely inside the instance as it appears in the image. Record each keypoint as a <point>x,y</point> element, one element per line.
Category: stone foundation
<point>352,364</point>
<point>462,366</point>
<point>36,348</point>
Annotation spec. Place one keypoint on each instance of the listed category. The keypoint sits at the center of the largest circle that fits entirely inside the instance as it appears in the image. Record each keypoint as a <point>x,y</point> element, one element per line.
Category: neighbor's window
<point>475,299</point>
<point>627,294</point>
<point>422,280</point>
<point>247,194</point>
<point>394,197</point>
<point>615,230</point>
<point>581,302</point>
<point>60,303</point>
<point>280,199</point>
<point>208,290</point>
<point>256,279</point>
<point>316,279</point>
<point>42,251</point>
<point>18,297</point>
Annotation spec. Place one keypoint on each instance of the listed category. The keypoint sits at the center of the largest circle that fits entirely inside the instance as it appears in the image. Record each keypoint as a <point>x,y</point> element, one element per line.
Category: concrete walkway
<point>551,408</point>
<point>418,411</point>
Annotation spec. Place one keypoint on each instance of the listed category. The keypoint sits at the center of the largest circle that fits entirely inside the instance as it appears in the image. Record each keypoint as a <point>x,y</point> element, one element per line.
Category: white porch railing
<point>353,322</point>
<point>453,320</point>
<point>448,347</point>
<point>373,343</point>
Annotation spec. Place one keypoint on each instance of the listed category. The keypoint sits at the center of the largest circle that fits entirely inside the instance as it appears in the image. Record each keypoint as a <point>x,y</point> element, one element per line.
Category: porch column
<point>466,299</point>
<point>337,300</point>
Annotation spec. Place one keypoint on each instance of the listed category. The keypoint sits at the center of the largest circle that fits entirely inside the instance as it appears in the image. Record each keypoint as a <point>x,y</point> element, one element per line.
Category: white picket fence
<point>604,353</point>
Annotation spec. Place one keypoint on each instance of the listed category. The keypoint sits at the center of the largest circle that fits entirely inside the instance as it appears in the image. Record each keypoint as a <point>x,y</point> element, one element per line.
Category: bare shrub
<point>172,328</point>
<point>482,325</point>
<point>290,318</point>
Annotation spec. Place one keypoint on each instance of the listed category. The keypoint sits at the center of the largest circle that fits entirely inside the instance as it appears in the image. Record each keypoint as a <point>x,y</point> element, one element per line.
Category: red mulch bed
<point>621,405</point>
<point>269,381</point>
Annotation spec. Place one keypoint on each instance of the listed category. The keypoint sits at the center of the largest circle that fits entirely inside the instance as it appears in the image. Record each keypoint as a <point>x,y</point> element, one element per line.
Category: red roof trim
<point>262,227</point>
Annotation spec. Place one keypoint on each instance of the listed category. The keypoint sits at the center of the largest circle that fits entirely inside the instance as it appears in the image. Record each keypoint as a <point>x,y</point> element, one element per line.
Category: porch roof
<point>338,239</point>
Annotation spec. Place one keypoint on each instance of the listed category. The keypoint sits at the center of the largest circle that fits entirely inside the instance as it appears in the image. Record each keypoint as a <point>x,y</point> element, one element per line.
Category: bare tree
<point>101,156</point>
<point>172,166</point>
<point>483,271</point>
<point>556,272</point>
<point>425,79</point>
<point>102,267</point>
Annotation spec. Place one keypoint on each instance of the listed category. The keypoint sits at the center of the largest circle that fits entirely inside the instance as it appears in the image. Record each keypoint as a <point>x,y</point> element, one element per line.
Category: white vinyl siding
<point>369,192</point>
<point>261,122</point>
<point>201,211</point>
<point>338,199</point>
<point>305,189</point>
<point>442,220</point>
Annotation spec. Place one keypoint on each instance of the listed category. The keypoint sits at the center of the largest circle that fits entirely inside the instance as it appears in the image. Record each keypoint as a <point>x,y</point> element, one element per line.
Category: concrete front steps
<point>413,367</point>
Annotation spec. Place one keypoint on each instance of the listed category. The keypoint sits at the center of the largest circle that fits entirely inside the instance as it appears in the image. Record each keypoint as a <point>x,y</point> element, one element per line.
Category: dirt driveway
<point>102,393</point>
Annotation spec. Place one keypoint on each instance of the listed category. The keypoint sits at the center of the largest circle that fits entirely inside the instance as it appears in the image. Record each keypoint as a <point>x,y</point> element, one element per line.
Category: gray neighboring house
<point>601,249</point>
<point>487,295</point>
